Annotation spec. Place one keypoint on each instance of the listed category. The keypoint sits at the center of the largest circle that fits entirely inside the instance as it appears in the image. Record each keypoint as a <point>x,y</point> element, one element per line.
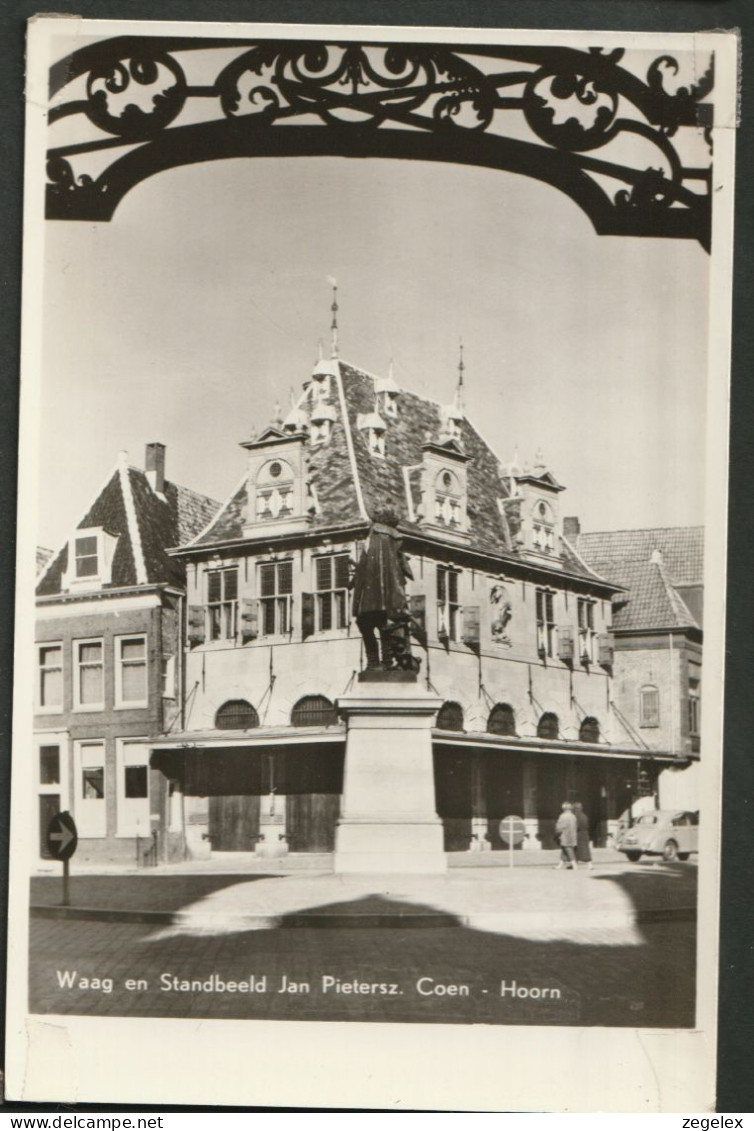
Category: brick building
<point>518,626</point>
<point>108,662</point>
<point>657,631</point>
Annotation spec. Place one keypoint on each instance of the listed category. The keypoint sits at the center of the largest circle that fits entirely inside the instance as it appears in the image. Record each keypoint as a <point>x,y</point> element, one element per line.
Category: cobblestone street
<point>622,975</point>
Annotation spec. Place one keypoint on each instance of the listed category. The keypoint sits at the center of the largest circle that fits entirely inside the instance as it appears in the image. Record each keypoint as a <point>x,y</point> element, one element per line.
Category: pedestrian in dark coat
<point>566,834</point>
<point>583,848</point>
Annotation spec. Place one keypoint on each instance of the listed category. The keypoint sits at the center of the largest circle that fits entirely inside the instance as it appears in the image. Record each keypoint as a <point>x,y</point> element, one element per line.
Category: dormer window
<point>389,404</point>
<point>90,558</point>
<point>274,493</point>
<point>323,417</point>
<point>448,497</point>
<point>543,528</point>
<point>372,427</point>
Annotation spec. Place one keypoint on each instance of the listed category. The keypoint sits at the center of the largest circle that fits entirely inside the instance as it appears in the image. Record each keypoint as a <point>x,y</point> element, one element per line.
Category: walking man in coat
<point>583,849</point>
<point>566,834</point>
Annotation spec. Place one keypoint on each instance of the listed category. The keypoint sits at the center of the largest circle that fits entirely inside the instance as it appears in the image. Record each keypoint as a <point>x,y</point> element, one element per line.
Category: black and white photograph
<point>371,561</point>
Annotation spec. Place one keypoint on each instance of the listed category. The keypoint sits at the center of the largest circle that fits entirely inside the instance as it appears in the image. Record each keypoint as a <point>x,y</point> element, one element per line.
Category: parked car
<point>670,833</point>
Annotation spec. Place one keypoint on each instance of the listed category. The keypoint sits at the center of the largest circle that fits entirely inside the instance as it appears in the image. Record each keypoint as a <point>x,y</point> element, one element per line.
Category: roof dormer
<point>90,559</point>
<point>444,490</point>
<point>322,419</point>
<point>386,393</point>
<point>276,488</point>
<point>540,530</point>
<point>373,428</point>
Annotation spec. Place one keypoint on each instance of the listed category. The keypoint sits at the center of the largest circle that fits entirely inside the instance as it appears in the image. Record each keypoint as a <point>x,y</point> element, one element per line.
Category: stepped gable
<point>682,549</point>
<point>109,512</point>
<point>383,480</point>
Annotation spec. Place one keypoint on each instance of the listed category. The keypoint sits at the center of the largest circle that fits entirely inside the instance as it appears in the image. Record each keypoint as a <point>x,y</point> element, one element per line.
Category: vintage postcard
<point>369,629</point>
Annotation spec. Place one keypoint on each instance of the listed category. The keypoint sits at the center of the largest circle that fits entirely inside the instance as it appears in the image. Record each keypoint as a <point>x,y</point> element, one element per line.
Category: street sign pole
<point>66,884</point>
<point>513,833</point>
<point>62,840</point>
<point>511,844</point>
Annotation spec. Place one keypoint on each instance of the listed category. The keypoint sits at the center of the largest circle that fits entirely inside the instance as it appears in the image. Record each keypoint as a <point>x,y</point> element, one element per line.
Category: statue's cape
<point>379,580</point>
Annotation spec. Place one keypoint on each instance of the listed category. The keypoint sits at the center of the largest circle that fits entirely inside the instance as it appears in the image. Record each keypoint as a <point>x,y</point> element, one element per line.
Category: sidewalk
<point>535,900</point>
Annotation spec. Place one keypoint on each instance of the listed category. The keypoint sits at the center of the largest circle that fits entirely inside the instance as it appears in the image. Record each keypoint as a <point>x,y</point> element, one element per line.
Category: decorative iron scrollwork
<point>544,112</point>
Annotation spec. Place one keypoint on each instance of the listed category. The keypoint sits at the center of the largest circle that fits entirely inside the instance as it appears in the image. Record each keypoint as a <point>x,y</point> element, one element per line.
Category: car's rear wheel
<point>633,856</point>
<point>670,851</point>
<point>683,855</point>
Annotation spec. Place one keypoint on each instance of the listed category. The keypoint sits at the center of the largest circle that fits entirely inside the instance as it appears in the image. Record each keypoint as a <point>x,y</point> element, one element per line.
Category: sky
<point>202,302</point>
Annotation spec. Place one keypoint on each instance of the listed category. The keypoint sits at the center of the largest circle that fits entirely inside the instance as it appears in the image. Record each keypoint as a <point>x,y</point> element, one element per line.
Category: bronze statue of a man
<point>379,596</point>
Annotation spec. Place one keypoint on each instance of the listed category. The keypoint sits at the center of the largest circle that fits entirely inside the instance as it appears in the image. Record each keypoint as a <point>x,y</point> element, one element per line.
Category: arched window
<point>450,716</point>
<point>649,706</point>
<point>314,711</point>
<point>502,720</point>
<point>236,714</point>
<point>589,731</point>
<point>548,726</point>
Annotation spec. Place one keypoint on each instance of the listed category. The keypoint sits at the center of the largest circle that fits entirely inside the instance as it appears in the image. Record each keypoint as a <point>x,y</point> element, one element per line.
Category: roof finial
<point>461,367</point>
<point>334,324</point>
<point>320,351</point>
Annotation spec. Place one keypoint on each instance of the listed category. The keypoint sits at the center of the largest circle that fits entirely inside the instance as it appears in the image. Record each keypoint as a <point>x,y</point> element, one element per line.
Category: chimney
<point>571,527</point>
<point>155,466</point>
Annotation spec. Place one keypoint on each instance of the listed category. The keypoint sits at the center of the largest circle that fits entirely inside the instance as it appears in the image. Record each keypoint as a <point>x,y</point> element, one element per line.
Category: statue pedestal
<point>389,822</point>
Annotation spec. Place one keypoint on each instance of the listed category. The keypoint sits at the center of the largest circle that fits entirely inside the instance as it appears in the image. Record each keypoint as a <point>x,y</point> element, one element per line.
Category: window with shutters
<point>502,720</point>
<point>331,592</point>
<point>222,603</point>
<point>50,677</point>
<point>130,671</point>
<point>314,711</point>
<point>448,607</point>
<point>543,528</point>
<point>275,598</point>
<point>585,612</point>
<point>545,601</point>
<point>89,675</point>
<point>649,706</point>
<point>448,500</point>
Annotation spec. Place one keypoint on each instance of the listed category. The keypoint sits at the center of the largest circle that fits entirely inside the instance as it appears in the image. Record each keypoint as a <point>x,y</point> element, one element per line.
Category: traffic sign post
<point>62,842</point>
<point>512,833</point>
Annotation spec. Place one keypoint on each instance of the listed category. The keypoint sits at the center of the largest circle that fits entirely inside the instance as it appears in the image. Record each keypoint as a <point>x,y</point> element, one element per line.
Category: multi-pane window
<point>132,788</point>
<point>222,603</point>
<point>693,702</point>
<point>51,675</point>
<point>331,599</point>
<point>49,798</point>
<point>89,683</point>
<point>543,536</point>
<point>275,597</point>
<point>130,670</point>
<point>447,500</point>
<point>585,609</point>
<point>87,558</point>
<point>448,608</point>
<point>545,622</point>
<point>49,765</point>
<point>649,706</point>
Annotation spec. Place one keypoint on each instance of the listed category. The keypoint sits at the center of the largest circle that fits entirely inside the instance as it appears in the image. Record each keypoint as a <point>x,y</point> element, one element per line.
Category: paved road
<point>647,979</point>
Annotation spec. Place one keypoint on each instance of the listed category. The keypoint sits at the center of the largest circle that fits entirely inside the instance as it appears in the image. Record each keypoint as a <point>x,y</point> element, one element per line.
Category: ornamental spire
<point>461,368</point>
<point>334,324</point>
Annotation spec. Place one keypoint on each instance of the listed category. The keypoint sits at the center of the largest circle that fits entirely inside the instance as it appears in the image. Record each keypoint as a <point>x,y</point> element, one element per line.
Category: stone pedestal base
<point>389,822</point>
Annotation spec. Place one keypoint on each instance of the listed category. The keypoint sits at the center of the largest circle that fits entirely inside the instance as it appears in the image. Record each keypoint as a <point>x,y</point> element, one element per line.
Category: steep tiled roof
<point>43,557</point>
<point>139,554</point>
<point>652,601</point>
<point>383,480</point>
<point>682,549</point>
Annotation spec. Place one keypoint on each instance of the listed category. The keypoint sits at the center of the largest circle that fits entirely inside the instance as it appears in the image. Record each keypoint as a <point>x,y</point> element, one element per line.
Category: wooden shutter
<point>417,605</point>
<point>196,632</point>
<point>565,643</point>
<point>605,650</point>
<point>470,625</point>
<point>307,615</point>
<point>249,618</point>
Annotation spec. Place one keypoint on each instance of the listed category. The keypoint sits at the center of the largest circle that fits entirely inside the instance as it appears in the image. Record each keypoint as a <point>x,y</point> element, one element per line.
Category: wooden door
<point>234,823</point>
<point>311,820</point>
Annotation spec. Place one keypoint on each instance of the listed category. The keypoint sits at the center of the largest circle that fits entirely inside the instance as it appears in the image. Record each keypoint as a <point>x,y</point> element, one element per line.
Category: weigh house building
<point>517,625</point>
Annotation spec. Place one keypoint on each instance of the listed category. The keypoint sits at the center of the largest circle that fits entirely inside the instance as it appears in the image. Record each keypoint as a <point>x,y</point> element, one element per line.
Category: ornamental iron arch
<point>450,716</point>
<point>548,112</point>
<point>236,714</point>
<point>314,711</point>
<point>589,731</point>
<point>502,720</point>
